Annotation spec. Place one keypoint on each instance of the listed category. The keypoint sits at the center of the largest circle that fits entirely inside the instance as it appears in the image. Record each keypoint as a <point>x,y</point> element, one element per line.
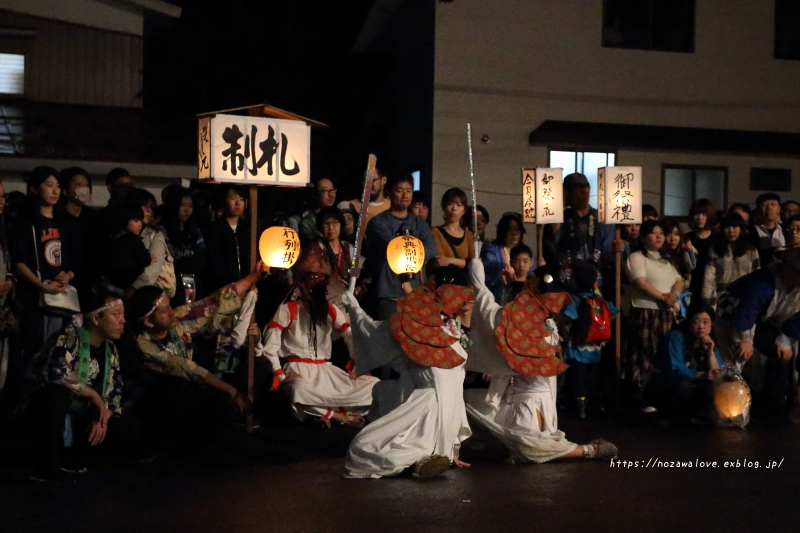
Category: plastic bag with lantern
<point>731,399</point>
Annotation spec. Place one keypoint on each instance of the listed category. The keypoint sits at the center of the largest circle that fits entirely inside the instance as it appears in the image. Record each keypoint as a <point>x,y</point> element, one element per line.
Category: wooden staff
<point>539,240</point>
<point>618,326</point>
<point>251,341</point>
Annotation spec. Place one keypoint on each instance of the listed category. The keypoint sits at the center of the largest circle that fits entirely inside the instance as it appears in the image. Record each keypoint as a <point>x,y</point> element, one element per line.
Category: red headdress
<point>522,336</point>
<point>421,329</point>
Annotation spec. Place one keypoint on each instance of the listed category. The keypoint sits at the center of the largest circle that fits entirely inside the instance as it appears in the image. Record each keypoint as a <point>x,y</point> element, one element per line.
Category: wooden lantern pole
<point>618,326</point>
<point>539,241</point>
<point>251,341</point>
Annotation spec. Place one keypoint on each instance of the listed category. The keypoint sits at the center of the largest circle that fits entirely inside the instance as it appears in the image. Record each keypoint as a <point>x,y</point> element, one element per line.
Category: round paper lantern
<point>405,254</point>
<point>279,247</point>
<point>731,398</point>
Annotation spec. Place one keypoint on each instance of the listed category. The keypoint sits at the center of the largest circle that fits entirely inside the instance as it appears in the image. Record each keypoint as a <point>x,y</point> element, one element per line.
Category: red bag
<point>594,321</point>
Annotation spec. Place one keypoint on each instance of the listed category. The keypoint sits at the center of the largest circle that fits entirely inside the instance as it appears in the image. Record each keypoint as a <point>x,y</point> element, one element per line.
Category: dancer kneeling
<point>517,345</point>
<point>301,334</point>
<point>423,340</point>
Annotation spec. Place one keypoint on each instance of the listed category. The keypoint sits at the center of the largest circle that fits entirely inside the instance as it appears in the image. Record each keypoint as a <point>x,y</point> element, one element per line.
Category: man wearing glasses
<point>306,224</point>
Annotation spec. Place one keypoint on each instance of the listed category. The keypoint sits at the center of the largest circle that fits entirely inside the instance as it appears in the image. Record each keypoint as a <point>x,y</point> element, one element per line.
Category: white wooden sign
<point>529,195</point>
<point>542,195</point>
<point>549,196</point>
<point>254,150</point>
<point>619,195</point>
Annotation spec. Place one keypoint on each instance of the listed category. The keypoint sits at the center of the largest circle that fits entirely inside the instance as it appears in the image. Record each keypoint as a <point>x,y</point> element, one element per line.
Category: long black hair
<point>740,246</point>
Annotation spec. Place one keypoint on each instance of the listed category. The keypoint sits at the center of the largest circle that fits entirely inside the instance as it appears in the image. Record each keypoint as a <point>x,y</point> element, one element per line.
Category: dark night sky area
<point>292,54</point>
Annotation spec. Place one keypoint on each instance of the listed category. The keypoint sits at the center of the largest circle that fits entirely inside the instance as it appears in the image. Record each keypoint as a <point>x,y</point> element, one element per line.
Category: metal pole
<point>472,186</point>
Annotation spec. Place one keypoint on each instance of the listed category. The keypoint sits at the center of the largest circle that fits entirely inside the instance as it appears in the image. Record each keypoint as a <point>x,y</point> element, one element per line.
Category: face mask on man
<point>81,195</point>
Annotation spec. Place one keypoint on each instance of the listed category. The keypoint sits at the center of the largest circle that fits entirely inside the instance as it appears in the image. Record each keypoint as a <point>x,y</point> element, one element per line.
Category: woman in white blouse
<point>655,288</point>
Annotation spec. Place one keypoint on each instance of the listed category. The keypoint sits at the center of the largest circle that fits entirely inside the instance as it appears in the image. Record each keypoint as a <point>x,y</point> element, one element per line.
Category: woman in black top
<point>46,253</point>
<point>702,221</point>
<point>185,242</point>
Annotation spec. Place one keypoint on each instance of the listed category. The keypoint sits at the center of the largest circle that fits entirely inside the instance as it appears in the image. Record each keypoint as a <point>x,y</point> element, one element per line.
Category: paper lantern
<point>405,254</point>
<point>543,195</point>
<point>619,195</point>
<point>732,398</point>
<point>279,247</point>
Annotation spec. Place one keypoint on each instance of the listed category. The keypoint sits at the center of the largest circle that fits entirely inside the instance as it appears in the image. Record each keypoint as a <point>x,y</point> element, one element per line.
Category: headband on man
<point>153,309</point>
<point>109,305</point>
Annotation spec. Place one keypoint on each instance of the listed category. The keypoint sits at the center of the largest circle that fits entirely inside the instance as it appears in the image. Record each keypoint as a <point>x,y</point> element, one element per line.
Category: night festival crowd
<point>126,326</point>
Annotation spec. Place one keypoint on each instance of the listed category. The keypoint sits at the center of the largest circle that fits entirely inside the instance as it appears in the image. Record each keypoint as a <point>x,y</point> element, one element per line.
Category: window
<point>12,74</point>
<point>787,38</point>
<point>663,25</point>
<point>586,163</point>
<point>684,184</point>
<point>771,179</point>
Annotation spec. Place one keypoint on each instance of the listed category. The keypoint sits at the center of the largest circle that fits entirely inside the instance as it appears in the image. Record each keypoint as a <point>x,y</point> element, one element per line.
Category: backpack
<point>593,323</point>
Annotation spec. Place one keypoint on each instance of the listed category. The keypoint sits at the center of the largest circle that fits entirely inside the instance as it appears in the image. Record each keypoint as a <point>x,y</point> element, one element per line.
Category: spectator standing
<point>793,232</point>
<point>350,217</point>
<point>228,242</point>
<point>702,220</point>
<point>381,230</point>
<point>731,257</point>
<point>125,257</point>
<point>338,253</point>
<point>76,200</point>
<point>743,210</point>
<point>306,223</point>
<point>455,245</point>
<point>789,209</point>
<point>679,251</point>
<point>768,234</point>
<point>6,286</point>
<point>655,288</point>
<point>161,270</point>
<point>496,256</point>
<point>185,243</point>
<point>580,236</point>
<point>420,206</point>
<point>483,220</point>
<point>46,251</point>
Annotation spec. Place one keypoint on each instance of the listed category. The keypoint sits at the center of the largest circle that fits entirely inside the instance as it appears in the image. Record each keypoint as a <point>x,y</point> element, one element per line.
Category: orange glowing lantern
<point>405,254</point>
<point>279,247</point>
<point>732,399</point>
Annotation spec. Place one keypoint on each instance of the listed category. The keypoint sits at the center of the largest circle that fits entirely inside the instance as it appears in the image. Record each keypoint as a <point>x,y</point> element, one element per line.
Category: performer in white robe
<point>519,409</point>
<point>429,423</point>
<point>301,334</point>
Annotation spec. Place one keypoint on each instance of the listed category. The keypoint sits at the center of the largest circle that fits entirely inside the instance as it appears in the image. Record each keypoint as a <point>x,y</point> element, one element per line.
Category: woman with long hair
<point>496,256</point>
<point>185,243</point>
<point>46,251</point>
<point>702,221</point>
<point>655,288</point>
<point>731,257</point>
<point>679,250</point>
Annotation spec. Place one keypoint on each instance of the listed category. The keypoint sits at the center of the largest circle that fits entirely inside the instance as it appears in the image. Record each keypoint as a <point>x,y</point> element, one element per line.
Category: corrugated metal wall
<point>71,64</point>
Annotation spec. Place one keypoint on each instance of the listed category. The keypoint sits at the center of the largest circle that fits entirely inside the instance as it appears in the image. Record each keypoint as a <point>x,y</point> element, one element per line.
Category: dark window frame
<point>650,46</point>
<point>694,168</point>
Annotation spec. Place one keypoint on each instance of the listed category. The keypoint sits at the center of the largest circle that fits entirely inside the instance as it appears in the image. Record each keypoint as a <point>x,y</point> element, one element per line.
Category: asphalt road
<point>242,492</point>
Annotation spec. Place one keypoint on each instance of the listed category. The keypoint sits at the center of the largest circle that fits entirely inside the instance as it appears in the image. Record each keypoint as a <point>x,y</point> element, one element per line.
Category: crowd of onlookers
<point>164,291</point>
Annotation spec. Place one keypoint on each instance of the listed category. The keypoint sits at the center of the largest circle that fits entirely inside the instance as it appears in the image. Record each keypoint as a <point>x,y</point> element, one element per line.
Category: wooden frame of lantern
<point>220,140</point>
<point>619,201</point>
<point>542,199</point>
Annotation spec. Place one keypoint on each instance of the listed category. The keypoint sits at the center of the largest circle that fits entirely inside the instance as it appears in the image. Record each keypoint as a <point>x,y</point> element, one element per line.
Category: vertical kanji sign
<point>254,150</point>
<point>619,195</point>
<point>549,196</point>
<point>529,195</point>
